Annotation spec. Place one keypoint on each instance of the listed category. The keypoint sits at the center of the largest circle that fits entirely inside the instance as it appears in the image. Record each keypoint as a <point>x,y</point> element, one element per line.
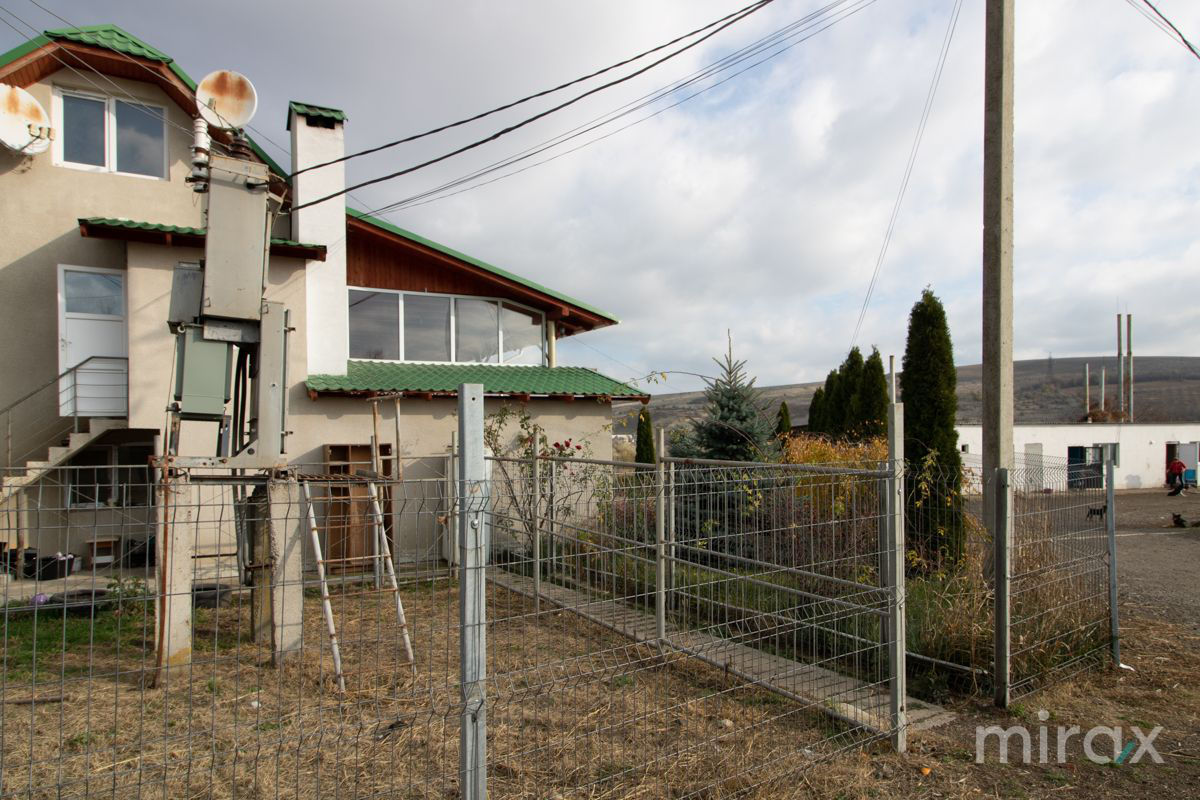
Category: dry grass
<point>574,711</point>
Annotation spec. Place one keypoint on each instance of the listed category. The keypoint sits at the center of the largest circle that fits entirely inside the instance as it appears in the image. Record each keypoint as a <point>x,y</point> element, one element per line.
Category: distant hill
<point>1045,390</point>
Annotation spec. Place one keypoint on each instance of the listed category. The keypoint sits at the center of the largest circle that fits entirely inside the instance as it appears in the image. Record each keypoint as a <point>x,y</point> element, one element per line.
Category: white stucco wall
<point>1143,447</point>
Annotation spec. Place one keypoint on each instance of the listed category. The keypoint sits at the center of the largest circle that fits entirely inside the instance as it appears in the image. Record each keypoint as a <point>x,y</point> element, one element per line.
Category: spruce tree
<point>645,438</point>
<point>927,387</point>
<point>830,419</point>
<point>734,427</point>
<point>783,421</point>
<point>873,398</point>
<point>816,408</point>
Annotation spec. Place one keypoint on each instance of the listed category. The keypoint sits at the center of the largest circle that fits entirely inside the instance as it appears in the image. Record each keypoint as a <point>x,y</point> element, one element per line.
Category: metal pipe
<point>1129,350</point>
<point>1120,369</point>
<point>1087,392</point>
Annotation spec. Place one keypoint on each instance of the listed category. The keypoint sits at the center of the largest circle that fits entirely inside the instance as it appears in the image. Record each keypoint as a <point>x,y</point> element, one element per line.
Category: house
<point>93,229</point>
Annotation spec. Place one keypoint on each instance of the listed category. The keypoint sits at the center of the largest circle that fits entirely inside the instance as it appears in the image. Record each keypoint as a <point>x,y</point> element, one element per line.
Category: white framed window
<point>390,325</point>
<point>110,134</point>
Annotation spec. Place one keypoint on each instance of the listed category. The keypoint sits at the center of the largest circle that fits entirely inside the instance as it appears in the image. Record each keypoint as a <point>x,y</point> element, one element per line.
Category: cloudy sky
<point>760,205</point>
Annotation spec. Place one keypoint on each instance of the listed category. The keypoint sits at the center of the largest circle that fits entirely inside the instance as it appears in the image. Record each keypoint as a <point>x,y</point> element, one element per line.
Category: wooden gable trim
<point>571,319</point>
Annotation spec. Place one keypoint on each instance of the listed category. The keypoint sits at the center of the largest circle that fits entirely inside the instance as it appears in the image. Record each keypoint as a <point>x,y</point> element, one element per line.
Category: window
<point>373,329</point>
<point>101,293</point>
<point>388,325</point>
<point>426,328</point>
<point>108,135</point>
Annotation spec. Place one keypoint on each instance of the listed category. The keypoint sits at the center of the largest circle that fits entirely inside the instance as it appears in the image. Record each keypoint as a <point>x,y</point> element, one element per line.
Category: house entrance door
<point>91,329</point>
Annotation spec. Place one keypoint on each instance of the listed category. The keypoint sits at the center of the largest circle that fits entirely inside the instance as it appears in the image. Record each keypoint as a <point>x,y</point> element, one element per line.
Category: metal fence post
<point>535,476</point>
<point>660,542</point>
<point>1003,568</point>
<point>671,595</point>
<point>1110,515</point>
<point>894,576</point>
<point>473,493</point>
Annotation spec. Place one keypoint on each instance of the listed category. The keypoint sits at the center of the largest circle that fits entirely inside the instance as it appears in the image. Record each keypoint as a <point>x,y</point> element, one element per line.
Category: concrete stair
<point>57,455</point>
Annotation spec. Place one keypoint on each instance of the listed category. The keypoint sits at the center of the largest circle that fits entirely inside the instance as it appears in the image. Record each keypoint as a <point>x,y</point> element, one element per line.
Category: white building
<point>1145,449</point>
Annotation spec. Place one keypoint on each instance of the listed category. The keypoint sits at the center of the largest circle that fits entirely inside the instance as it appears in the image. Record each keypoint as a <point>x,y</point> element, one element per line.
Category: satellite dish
<point>24,124</point>
<point>226,99</point>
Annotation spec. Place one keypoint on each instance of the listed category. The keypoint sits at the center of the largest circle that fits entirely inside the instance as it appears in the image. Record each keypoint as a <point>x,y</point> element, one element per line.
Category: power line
<point>1170,25</point>
<point>509,129</point>
<point>908,168</point>
<point>778,39</point>
<point>414,137</point>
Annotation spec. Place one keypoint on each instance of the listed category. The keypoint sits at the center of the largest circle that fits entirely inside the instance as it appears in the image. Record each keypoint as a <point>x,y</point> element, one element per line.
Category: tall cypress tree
<point>927,386</point>
<point>845,407</point>
<point>783,421</point>
<point>816,410</point>
<point>873,397</point>
<point>645,438</point>
<point>830,420</point>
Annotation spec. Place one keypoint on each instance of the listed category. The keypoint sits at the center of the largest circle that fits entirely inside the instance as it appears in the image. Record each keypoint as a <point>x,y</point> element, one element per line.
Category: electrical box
<point>202,376</point>
<point>235,247</point>
<point>187,293</point>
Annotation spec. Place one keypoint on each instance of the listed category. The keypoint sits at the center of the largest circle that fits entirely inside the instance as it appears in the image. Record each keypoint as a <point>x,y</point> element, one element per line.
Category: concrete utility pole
<point>997,251</point>
<point>1129,351</point>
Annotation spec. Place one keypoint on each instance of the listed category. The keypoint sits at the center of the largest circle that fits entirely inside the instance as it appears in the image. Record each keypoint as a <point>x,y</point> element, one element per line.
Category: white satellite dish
<point>24,124</point>
<point>226,99</point>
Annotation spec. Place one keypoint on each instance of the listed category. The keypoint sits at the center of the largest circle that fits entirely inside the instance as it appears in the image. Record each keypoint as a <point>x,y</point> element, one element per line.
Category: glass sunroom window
<point>521,332</point>
<point>374,325</point>
<point>426,328</point>
<point>390,325</point>
<point>476,331</point>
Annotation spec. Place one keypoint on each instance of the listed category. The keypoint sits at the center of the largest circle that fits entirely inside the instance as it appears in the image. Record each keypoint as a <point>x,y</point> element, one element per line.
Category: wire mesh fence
<point>1059,573</point>
<point>207,633</point>
<point>683,629</point>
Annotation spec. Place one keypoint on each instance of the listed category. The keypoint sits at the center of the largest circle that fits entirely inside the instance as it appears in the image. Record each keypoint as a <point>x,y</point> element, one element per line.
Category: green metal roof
<point>309,110</point>
<point>379,376</point>
<point>111,37</point>
<point>182,230</point>
<point>389,227</point>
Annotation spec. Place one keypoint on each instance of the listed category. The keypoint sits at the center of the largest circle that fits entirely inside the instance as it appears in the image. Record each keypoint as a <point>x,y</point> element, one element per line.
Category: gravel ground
<point>1159,564</point>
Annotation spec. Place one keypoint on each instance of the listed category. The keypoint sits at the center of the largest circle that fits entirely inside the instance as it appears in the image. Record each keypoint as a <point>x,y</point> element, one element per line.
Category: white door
<point>92,342</point>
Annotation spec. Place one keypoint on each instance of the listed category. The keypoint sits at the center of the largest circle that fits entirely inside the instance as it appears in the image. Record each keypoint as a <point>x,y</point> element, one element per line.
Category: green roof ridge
<point>387,226</point>
<point>88,34</point>
<point>390,376</point>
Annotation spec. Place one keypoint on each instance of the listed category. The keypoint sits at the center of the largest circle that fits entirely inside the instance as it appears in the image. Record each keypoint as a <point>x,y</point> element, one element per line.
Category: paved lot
<point>1158,564</point>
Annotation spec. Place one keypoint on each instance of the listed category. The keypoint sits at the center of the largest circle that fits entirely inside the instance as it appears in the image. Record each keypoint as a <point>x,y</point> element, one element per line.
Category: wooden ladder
<point>383,553</point>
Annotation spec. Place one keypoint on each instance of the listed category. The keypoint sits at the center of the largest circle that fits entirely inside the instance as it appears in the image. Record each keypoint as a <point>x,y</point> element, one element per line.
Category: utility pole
<point>997,251</point>
<point>1120,369</point>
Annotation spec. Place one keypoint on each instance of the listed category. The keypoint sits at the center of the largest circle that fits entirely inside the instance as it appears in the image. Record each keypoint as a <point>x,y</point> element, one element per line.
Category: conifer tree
<point>873,398</point>
<point>816,408</point>
<point>927,386</point>
<point>734,427</point>
<point>829,414</point>
<point>849,385</point>
<point>645,438</point>
<point>783,421</point>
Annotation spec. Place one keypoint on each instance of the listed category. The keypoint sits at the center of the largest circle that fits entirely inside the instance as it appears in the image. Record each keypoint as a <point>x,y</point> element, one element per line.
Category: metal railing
<point>98,386</point>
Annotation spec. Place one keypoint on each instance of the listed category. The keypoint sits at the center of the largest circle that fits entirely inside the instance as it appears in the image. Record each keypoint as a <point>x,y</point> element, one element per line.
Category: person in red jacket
<point>1175,478</point>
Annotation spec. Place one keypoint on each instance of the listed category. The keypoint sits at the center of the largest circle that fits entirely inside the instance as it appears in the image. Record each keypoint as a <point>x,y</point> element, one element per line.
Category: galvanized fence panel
<point>1058,574</point>
<point>717,627</point>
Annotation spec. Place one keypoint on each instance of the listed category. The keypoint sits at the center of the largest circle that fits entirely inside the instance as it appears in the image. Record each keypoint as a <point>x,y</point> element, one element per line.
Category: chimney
<point>317,137</point>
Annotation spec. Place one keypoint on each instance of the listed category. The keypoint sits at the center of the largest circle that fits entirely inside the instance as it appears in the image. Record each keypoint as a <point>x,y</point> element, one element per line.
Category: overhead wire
<point>529,120</point>
<point>513,104</point>
<point>781,39</point>
<point>930,95</point>
<point>1170,26</point>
